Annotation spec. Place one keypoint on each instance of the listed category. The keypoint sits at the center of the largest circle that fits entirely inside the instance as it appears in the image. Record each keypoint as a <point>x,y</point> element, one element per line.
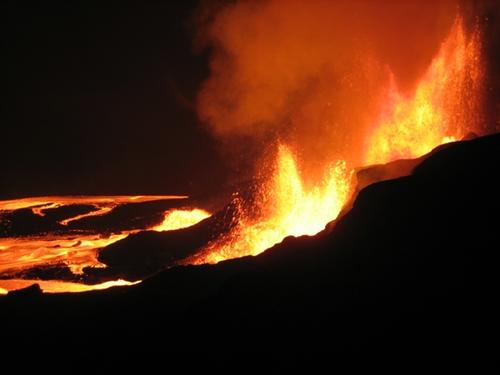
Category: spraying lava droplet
<point>444,107</point>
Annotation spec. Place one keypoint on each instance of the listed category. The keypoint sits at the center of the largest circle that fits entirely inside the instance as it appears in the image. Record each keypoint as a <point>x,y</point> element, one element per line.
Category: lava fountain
<point>283,207</point>
<point>444,107</point>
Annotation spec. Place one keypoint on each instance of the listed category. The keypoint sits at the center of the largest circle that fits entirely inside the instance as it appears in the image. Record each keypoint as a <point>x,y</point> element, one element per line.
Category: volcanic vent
<point>307,97</point>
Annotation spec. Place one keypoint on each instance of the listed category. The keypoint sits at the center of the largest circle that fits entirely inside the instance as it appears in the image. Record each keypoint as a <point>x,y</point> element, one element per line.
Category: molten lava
<point>77,251</point>
<point>74,248</point>
<point>283,207</point>
<point>177,219</point>
<point>444,107</point>
<point>100,202</point>
<point>59,286</point>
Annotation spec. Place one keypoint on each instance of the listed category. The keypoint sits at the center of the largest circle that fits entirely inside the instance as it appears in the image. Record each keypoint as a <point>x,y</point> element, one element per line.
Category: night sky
<point>100,100</point>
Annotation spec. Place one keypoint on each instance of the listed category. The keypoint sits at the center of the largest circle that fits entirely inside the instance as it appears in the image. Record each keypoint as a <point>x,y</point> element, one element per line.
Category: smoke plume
<point>312,72</point>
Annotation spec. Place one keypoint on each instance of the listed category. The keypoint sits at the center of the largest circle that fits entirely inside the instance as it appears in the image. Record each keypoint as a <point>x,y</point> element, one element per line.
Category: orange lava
<point>177,219</point>
<point>59,286</point>
<point>284,207</point>
<point>443,108</point>
<point>102,203</point>
<point>75,249</point>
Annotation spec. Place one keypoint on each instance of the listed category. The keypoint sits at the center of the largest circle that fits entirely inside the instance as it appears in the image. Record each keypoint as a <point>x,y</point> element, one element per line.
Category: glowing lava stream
<point>177,219</point>
<point>59,286</point>
<point>102,203</point>
<point>75,249</point>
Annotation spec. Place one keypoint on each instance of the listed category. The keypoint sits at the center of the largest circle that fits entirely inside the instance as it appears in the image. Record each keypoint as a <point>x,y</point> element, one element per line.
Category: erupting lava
<point>176,219</point>
<point>444,107</point>
<point>283,207</point>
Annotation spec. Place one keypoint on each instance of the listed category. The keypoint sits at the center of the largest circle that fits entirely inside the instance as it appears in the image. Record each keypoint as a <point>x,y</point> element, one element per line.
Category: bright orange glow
<point>177,219</point>
<point>284,207</point>
<point>59,286</point>
<point>102,203</point>
<point>444,107</point>
<point>75,249</point>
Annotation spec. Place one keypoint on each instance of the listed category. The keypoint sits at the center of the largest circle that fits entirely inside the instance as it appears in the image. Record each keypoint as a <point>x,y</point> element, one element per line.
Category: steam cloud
<point>312,72</point>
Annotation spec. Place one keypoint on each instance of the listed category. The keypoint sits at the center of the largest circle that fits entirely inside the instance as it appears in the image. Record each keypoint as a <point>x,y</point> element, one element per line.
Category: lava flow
<point>101,203</point>
<point>74,247</point>
<point>77,249</point>
<point>177,219</point>
<point>444,106</point>
<point>53,286</point>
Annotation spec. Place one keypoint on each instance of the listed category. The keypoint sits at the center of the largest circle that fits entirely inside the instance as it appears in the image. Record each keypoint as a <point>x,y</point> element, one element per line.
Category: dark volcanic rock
<point>59,271</point>
<point>142,254</point>
<point>411,269</point>
<point>382,172</point>
<point>398,168</point>
<point>146,253</point>
<point>30,292</point>
<point>24,222</point>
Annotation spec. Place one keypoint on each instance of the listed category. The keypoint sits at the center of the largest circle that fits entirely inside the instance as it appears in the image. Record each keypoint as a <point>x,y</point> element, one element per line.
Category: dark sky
<point>100,99</point>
